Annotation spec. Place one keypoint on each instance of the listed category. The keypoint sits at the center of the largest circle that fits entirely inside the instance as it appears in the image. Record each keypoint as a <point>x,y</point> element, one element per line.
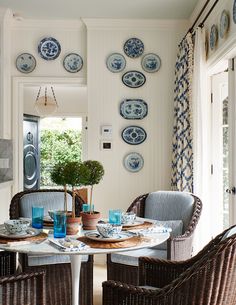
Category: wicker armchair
<point>23,288</point>
<point>58,274</point>
<point>207,278</point>
<point>124,266</point>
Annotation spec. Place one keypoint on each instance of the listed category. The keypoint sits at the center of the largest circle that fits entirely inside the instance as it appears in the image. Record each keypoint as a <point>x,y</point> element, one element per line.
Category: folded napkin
<point>152,230</point>
<point>68,244</point>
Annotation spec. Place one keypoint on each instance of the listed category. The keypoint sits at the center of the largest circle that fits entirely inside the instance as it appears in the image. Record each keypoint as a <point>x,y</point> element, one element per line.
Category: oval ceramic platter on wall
<point>134,135</point>
<point>49,48</point>
<point>151,63</point>
<point>73,63</point>
<point>213,37</point>
<point>133,109</point>
<point>134,47</point>
<point>133,79</point>
<point>224,24</point>
<point>116,62</point>
<point>25,63</point>
<point>234,11</point>
<point>133,162</point>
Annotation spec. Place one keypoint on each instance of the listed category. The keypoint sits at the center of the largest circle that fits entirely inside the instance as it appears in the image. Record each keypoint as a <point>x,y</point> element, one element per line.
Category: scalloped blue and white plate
<point>49,48</point>
<point>25,63</point>
<point>134,135</point>
<point>213,37</point>
<point>116,62</point>
<point>224,24</point>
<point>133,109</point>
<point>151,62</point>
<point>133,79</point>
<point>73,62</point>
<point>134,47</point>
<point>133,162</point>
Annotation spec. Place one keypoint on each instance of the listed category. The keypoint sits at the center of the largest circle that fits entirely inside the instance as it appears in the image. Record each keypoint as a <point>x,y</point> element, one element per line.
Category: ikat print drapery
<point>182,150</point>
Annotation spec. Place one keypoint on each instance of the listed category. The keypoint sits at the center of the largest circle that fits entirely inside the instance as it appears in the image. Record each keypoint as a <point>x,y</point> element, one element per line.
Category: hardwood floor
<point>99,276</point>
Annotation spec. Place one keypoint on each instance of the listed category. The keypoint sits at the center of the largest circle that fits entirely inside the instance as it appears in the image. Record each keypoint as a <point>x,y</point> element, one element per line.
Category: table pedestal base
<point>75,272</point>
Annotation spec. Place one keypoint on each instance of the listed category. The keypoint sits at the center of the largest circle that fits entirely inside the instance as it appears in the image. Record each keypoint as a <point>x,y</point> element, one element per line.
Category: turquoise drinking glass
<point>37,217</point>
<point>59,225</point>
<point>115,217</point>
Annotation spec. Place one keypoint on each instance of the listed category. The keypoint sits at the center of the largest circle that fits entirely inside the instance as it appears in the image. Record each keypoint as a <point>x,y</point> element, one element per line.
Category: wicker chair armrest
<point>159,273</point>
<point>7,263</point>
<point>138,205</point>
<point>24,286</point>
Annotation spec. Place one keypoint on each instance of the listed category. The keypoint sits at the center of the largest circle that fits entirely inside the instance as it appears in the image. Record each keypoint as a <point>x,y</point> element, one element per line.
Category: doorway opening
<point>60,141</point>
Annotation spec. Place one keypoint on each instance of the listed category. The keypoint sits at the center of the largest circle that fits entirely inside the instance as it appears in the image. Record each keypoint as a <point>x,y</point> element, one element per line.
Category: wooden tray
<point>144,225</point>
<point>4,240</point>
<point>132,242</point>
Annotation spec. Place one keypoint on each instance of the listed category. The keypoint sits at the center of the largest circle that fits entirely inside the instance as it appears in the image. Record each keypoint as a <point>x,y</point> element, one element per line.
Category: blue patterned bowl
<point>128,218</point>
<point>16,226</point>
<point>108,230</point>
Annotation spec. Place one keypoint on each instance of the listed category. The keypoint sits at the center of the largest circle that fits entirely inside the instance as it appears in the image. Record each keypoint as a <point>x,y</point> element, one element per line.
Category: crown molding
<point>134,23</point>
<point>58,24</point>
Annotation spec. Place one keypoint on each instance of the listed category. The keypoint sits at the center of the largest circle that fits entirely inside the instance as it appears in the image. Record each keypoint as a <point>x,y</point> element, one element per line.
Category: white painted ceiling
<point>74,9</point>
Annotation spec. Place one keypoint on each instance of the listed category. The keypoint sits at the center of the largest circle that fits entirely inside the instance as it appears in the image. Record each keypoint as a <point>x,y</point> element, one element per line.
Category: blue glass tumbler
<point>37,217</point>
<point>115,217</point>
<point>59,225</point>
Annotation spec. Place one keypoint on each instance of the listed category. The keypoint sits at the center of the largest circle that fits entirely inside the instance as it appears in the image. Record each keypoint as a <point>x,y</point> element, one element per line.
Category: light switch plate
<point>106,131</point>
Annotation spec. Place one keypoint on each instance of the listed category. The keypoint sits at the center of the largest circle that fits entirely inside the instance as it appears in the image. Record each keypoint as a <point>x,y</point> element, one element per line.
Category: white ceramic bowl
<point>16,226</point>
<point>108,230</point>
<point>128,218</point>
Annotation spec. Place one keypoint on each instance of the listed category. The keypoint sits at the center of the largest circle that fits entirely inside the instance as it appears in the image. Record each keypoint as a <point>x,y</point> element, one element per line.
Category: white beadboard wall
<point>105,92</point>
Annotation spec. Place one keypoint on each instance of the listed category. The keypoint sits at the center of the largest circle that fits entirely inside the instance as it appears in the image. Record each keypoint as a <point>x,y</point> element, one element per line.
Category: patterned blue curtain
<point>182,150</point>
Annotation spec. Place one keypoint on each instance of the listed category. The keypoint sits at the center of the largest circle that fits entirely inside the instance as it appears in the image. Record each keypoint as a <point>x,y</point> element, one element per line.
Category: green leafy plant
<point>67,173</point>
<point>91,173</point>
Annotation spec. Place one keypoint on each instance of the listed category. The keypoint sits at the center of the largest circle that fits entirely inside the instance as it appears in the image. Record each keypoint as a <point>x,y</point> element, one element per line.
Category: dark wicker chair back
<point>58,276</point>
<point>178,248</point>
<point>207,278</point>
<point>22,288</point>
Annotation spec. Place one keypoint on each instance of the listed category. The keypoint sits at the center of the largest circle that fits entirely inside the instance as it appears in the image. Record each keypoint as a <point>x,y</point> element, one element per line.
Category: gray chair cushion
<point>35,260</point>
<point>169,205</point>
<point>229,233</point>
<point>177,229</point>
<point>131,257</point>
<point>49,200</point>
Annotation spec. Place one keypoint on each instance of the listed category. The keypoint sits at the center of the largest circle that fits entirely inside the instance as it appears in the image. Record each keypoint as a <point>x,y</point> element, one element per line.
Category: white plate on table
<point>29,233</point>
<point>133,224</point>
<point>97,237</point>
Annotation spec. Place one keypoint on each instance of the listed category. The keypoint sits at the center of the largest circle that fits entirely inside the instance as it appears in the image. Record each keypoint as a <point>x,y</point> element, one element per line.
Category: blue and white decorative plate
<point>134,135</point>
<point>133,79</point>
<point>133,47</point>
<point>151,62</point>
<point>25,63</point>
<point>73,62</point>
<point>116,62</point>
<point>49,48</point>
<point>213,37</point>
<point>133,109</point>
<point>234,11</point>
<point>224,24</point>
<point>133,162</point>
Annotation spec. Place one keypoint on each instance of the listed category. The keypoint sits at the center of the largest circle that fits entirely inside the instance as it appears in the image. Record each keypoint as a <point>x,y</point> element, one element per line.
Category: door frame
<point>18,85</point>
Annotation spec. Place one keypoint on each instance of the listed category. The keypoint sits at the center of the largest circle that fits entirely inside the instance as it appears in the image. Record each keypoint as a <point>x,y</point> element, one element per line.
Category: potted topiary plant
<point>91,173</point>
<point>68,173</point>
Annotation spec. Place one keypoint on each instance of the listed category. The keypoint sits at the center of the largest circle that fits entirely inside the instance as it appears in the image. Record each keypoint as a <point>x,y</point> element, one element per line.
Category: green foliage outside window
<point>57,147</point>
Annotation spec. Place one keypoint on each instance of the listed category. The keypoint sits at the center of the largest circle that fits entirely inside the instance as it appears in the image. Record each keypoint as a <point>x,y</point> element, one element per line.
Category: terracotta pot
<point>73,225</point>
<point>90,220</point>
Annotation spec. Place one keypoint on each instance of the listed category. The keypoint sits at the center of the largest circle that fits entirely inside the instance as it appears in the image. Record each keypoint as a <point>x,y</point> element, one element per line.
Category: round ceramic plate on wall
<point>133,162</point>
<point>213,37</point>
<point>133,47</point>
<point>224,24</point>
<point>151,63</point>
<point>25,63</point>
<point>49,48</point>
<point>116,62</point>
<point>73,62</point>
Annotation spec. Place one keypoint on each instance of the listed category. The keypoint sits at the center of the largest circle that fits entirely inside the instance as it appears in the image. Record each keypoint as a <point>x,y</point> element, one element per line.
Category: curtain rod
<point>190,30</point>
